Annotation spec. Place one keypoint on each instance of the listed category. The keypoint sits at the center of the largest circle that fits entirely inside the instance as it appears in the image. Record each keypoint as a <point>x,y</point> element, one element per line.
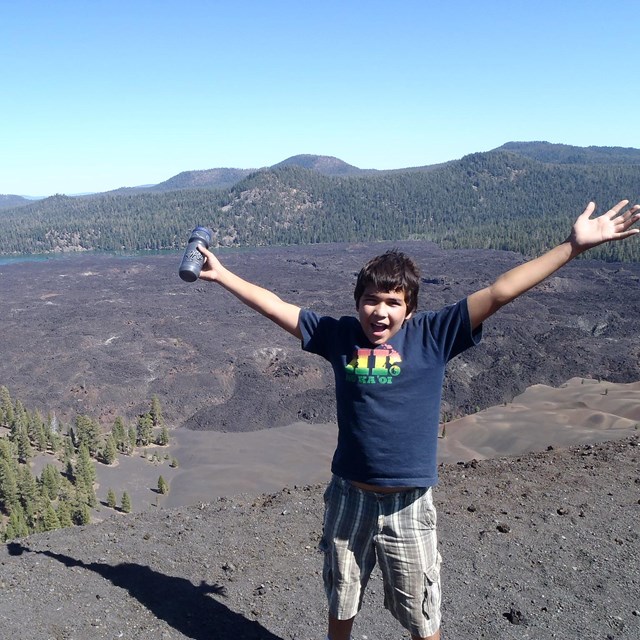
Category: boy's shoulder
<point>326,322</point>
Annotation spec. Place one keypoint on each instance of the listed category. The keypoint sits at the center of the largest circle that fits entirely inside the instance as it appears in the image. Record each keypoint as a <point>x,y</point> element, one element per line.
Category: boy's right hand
<point>212,267</point>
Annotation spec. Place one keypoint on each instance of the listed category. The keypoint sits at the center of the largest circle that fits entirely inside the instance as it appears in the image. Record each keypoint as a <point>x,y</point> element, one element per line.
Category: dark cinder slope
<point>543,546</point>
<point>101,335</point>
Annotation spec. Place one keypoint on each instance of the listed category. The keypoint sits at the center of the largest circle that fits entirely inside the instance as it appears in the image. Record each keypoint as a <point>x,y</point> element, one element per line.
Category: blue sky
<point>97,95</point>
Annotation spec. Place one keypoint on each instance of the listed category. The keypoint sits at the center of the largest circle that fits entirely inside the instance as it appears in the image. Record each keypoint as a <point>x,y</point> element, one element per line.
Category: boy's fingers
<point>616,209</point>
<point>591,207</point>
<point>205,252</point>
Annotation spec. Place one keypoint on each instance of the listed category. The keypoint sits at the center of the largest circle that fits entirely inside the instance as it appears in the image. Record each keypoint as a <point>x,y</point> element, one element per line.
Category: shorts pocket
<point>428,513</point>
<point>432,592</point>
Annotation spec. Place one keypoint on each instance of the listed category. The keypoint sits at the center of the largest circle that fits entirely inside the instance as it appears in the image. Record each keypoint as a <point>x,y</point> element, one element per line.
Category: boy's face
<point>381,313</point>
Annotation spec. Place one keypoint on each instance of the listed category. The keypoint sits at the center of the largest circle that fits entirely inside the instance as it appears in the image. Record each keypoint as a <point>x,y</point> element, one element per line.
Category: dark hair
<point>390,271</point>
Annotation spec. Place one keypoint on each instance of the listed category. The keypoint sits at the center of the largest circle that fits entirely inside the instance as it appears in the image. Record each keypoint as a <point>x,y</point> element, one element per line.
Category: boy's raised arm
<point>262,300</point>
<point>586,233</point>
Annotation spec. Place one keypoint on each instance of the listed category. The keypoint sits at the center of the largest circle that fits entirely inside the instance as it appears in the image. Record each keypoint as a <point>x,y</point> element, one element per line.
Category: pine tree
<point>6,407</point>
<point>111,499</point>
<point>126,503</point>
<point>24,445</point>
<point>144,432</point>
<point>163,487</point>
<point>20,418</point>
<point>120,436</point>
<point>110,451</point>
<point>132,438</point>
<point>80,513</point>
<point>64,514</point>
<point>163,437</point>
<point>17,526</point>
<point>156,412</point>
<point>6,450</point>
<point>50,520</point>
<point>27,489</point>
<point>87,431</point>
<point>85,475</point>
<point>85,471</point>
<point>50,480</point>
<point>8,486</point>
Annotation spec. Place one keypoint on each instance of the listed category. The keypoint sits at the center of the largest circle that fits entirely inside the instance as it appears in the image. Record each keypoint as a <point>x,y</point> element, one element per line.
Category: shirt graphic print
<point>374,366</point>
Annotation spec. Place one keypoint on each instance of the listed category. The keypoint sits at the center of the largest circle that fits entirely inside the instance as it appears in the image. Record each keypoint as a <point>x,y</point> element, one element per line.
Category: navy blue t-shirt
<point>388,396</point>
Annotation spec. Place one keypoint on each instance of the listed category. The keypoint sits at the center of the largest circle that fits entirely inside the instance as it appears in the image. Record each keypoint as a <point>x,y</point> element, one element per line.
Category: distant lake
<point>42,257</point>
<point>71,255</point>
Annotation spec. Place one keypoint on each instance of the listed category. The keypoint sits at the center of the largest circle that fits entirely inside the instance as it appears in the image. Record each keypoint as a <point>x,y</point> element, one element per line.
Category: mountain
<point>326,165</point>
<point>9,201</point>
<point>209,178</point>
<point>567,154</point>
<point>495,200</point>
<point>224,177</point>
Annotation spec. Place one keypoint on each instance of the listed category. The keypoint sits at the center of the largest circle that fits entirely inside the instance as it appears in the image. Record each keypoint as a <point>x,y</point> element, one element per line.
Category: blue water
<point>9,260</point>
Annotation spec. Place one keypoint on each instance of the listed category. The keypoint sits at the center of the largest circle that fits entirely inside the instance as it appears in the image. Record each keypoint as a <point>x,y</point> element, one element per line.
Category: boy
<point>389,365</point>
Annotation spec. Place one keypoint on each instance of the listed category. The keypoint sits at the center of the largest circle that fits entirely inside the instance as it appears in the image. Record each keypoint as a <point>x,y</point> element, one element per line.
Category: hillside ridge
<point>223,177</point>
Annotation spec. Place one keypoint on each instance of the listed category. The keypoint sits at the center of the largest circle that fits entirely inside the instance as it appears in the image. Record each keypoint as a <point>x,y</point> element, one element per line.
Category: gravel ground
<point>540,546</point>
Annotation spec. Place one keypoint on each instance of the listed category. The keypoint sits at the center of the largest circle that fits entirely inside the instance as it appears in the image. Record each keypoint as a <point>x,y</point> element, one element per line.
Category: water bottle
<point>193,260</point>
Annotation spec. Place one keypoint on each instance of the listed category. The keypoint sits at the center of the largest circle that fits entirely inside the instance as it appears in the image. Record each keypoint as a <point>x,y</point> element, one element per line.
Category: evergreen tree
<point>6,450</point>
<point>8,486</point>
<point>163,487</point>
<point>132,437</point>
<point>110,451</point>
<point>111,499</point>
<point>87,431</point>
<point>36,430</point>
<point>50,520</point>
<point>120,436</point>
<point>50,480</point>
<point>6,408</point>
<point>80,513</point>
<point>20,419</point>
<point>27,489</point>
<point>64,514</point>
<point>163,437</point>
<point>156,412</point>
<point>17,526</point>
<point>144,432</point>
<point>126,503</point>
<point>24,445</point>
<point>85,476</point>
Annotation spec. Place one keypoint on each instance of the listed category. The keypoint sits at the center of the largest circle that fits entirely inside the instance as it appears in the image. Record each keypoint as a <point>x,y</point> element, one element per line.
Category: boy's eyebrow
<point>398,294</point>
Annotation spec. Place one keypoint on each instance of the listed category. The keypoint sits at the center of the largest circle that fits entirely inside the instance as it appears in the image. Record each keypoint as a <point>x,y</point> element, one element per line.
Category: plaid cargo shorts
<point>399,530</point>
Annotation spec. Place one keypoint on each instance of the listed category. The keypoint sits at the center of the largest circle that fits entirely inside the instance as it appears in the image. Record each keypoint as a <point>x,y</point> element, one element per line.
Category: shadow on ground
<point>187,608</point>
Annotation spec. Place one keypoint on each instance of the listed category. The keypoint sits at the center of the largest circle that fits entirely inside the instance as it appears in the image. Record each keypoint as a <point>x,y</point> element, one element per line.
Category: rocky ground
<point>541,546</point>
<point>101,335</point>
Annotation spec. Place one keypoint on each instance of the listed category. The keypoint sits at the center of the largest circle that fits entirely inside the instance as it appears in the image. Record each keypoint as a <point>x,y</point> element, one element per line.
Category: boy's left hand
<point>589,232</point>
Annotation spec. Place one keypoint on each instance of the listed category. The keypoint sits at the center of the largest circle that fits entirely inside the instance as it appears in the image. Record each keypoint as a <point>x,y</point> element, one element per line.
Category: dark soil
<point>542,546</point>
<point>101,335</point>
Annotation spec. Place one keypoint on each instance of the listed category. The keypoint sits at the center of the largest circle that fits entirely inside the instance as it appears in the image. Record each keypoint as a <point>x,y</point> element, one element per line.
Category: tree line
<point>494,200</point>
<point>64,493</point>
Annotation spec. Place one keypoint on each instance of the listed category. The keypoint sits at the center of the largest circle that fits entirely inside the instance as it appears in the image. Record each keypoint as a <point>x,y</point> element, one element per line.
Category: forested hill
<point>499,199</point>
<point>567,154</point>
